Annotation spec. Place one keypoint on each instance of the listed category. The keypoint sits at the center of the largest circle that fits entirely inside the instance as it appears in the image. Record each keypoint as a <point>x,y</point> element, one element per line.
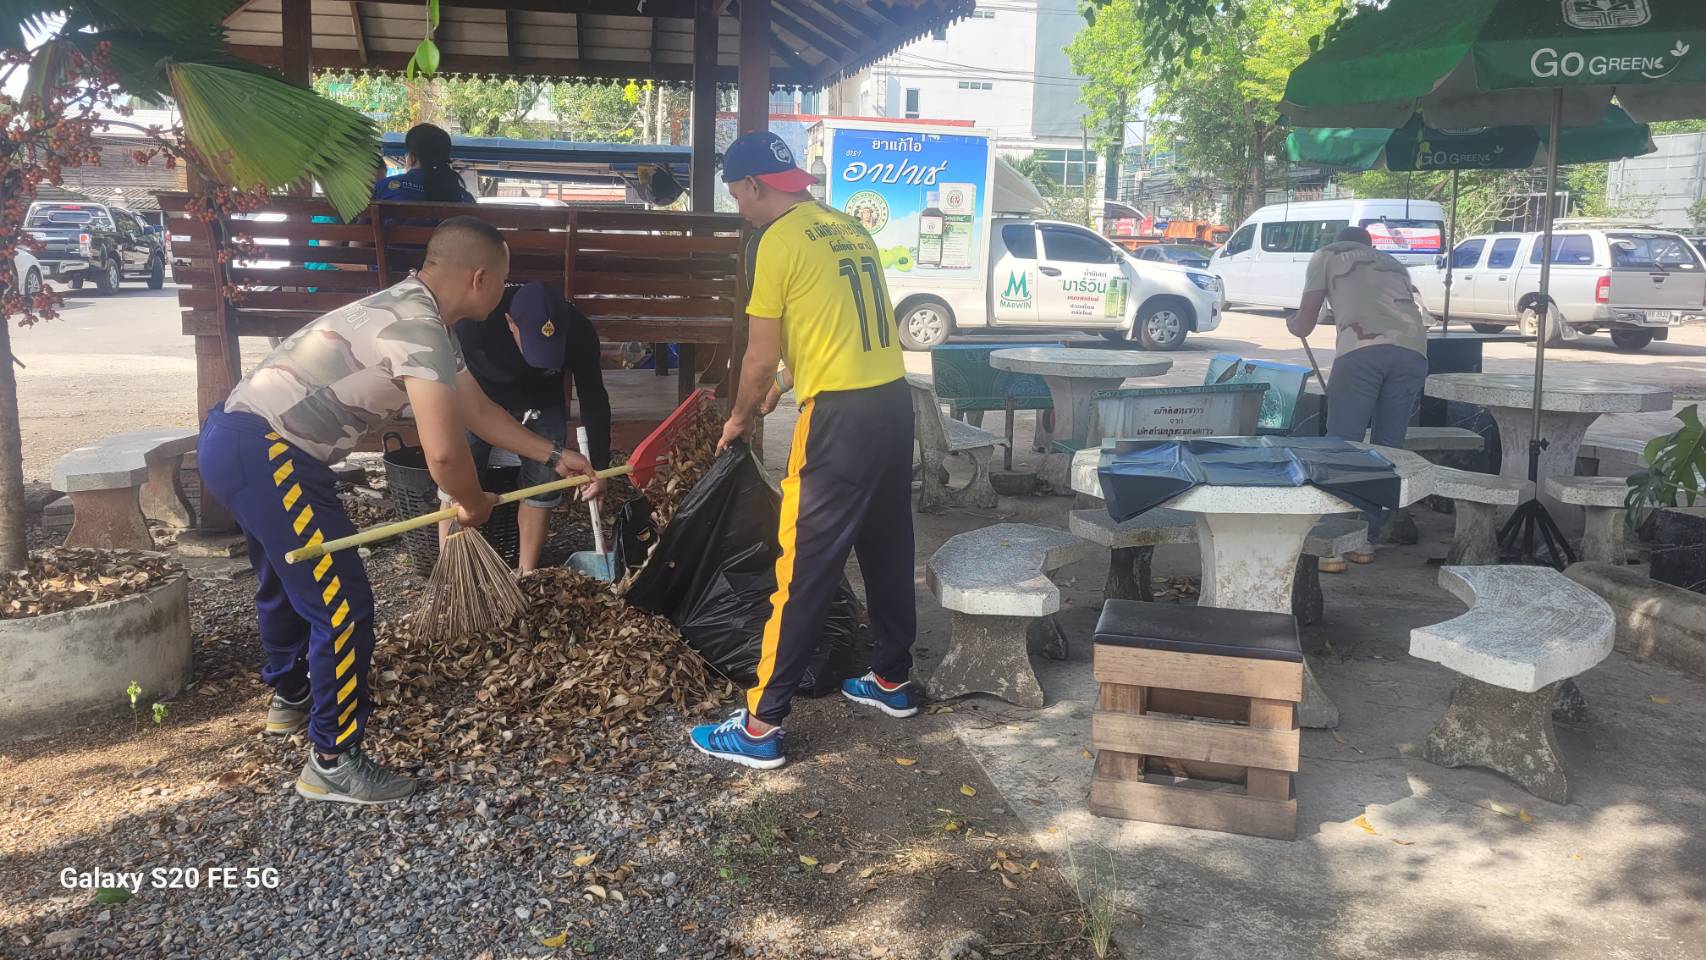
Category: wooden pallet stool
<point>1196,717</point>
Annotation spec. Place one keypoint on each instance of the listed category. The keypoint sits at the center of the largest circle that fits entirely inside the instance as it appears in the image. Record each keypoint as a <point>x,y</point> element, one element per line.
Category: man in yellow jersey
<point>818,299</point>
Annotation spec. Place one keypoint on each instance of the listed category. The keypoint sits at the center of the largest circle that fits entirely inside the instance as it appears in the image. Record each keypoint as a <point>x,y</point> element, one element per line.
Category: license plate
<point>1661,316</point>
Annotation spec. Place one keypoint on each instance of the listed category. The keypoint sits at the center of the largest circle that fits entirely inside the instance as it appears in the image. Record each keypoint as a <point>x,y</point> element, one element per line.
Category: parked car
<point>1044,276</point>
<point>84,242</point>
<point>1178,254</point>
<point>1637,283</point>
<point>1263,262</point>
<point>29,273</point>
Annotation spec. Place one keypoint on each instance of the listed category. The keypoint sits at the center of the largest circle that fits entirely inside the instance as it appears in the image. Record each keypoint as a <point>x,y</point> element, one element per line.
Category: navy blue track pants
<point>316,617</point>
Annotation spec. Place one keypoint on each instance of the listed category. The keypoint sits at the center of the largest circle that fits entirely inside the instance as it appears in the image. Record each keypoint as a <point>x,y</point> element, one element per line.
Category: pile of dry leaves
<point>693,452</point>
<point>66,578</point>
<point>579,657</point>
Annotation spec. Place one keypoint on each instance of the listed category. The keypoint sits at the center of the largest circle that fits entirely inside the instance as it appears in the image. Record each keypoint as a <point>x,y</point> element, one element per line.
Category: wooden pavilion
<point>640,275</point>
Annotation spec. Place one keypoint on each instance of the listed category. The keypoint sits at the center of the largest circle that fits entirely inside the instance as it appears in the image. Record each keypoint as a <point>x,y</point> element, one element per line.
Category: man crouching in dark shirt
<point>528,355</point>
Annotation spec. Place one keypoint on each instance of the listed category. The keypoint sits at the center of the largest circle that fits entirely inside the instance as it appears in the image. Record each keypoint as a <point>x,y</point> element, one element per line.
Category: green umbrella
<point>1468,63</point>
<point>1473,63</point>
<point>1415,146</point>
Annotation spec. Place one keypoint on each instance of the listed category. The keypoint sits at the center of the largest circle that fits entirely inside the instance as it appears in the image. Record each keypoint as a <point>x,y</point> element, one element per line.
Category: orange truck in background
<point>1176,231</point>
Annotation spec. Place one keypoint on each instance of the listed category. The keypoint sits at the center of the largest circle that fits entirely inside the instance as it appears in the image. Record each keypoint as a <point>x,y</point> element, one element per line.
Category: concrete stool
<point>1602,498</point>
<point>995,582</point>
<point>1169,680</point>
<point>1528,631</point>
<point>117,483</point>
<point>939,438</point>
<point>1476,499</point>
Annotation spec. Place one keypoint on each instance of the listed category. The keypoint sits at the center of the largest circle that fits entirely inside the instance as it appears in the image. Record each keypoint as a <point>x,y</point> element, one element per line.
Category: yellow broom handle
<point>386,531</point>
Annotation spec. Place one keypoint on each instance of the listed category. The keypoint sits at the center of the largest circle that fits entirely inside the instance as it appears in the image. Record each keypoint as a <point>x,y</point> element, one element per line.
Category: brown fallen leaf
<point>866,873</point>
<point>831,868</point>
<point>585,859</point>
<point>1009,884</point>
<point>905,761</point>
<point>555,940</point>
<point>968,789</point>
<point>1362,821</point>
<point>811,814</point>
<point>1404,843</point>
<point>597,891</point>
<point>808,861</point>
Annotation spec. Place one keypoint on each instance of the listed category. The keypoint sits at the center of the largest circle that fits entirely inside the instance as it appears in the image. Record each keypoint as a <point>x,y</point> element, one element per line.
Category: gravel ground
<point>881,839</point>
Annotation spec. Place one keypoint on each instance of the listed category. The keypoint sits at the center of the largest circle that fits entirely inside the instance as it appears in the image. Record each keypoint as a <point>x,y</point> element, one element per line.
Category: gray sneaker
<point>285,717</point>
<point>354,779</point>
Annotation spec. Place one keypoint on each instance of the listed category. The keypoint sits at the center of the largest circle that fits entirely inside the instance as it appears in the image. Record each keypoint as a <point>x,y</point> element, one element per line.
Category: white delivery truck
<point>962,251</point>
<point>1263,263</point>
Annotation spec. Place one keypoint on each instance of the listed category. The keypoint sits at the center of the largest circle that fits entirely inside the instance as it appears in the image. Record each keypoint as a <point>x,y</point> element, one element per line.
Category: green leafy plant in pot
<point>1673,479</point>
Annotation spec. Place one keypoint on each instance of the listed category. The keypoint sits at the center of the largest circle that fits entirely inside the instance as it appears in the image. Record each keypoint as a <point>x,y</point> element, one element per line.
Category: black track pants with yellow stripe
<point>848,489</point>
<point>316,617</point>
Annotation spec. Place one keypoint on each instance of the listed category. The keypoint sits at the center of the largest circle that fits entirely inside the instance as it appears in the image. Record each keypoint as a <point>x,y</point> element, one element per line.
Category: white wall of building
<point>1661,186</point>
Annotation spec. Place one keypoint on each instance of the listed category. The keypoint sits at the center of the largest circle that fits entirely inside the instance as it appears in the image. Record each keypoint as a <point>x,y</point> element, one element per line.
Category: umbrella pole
<point>1450,242</point>
<point>1532,517</point>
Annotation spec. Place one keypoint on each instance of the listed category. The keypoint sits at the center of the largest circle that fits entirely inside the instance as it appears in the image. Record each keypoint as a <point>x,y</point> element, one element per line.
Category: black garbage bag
<point>1145,474</point>
<point>713,572</point>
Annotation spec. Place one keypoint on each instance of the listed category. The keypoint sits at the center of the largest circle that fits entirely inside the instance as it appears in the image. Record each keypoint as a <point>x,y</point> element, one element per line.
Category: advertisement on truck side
<point>920,194</point>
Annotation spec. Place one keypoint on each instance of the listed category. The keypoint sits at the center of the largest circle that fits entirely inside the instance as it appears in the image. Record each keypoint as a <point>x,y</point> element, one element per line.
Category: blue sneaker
<point>898,701</point>
<point>730,741</point>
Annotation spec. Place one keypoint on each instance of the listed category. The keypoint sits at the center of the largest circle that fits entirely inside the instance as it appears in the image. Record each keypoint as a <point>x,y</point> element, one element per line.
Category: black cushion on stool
<point>1205,630</point>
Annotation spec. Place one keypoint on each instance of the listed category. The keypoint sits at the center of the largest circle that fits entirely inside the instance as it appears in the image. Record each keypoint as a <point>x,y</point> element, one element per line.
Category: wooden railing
<point>655,277</point>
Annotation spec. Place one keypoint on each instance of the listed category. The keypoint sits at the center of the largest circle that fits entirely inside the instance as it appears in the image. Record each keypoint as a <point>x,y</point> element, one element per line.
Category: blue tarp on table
<point>1144,475</point>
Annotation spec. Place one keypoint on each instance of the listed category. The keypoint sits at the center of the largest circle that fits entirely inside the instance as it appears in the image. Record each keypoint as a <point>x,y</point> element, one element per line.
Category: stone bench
<point>1133,544</point>
<point>1477,499</point>
<point>995,582</point>
<point>1425,440</point>
<point>939,438</point>
<point>119,482</point>
<point>1528,630</point>
<point>1602,498</point>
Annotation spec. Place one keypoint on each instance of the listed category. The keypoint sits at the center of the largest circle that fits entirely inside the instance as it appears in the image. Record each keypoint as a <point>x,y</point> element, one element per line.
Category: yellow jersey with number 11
<point>820,273</point>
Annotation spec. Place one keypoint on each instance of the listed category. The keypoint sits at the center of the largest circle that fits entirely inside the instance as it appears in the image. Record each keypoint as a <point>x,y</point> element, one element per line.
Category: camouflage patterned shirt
<point>341,376</point>
<point>1371,295</point>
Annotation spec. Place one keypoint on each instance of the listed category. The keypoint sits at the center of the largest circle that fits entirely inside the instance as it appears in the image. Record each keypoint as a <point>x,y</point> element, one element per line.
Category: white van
<point>1263,263</point>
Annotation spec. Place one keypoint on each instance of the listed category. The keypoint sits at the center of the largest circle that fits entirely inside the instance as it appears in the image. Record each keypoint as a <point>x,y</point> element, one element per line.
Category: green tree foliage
<point>1105,54</point>
<point>597,112</point>
<point>493,108</point>
<point>383,98</point>
<point>489,107</point>
<point>1222,108</point>
<point>1171,31</point>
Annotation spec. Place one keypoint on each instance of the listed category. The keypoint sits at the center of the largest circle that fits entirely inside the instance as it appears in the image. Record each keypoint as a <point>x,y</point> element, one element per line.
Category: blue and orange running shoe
<point>896,700</point>
<point>731,741</point>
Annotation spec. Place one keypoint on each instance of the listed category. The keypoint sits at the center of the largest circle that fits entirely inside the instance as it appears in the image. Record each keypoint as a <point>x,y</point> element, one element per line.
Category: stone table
<point>1250,538</point>
<point>1568,406</point>
<point>1074,376</point>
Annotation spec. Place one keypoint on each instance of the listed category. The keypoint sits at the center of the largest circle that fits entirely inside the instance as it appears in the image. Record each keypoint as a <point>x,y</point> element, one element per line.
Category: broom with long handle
<point>386,531</point>
<point>471,589</point>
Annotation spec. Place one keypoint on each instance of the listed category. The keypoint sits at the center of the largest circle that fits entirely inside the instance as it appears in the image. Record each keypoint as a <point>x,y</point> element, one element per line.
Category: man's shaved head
<point>466,264</point>
<point>466,243</point>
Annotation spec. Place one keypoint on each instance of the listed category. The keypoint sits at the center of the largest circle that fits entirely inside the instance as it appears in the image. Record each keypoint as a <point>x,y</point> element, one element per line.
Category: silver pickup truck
<point>1635,282</point>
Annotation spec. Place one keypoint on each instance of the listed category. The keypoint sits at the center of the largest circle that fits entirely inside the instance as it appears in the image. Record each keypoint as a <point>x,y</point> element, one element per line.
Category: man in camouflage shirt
<point>265,453</point>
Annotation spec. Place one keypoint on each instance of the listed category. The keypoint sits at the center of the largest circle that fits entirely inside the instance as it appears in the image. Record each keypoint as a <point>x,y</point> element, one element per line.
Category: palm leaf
<point>169,18</point>
<point>259,131</point>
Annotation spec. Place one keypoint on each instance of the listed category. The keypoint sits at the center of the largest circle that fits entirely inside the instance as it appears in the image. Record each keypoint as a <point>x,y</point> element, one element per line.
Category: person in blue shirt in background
<point>430,176</point>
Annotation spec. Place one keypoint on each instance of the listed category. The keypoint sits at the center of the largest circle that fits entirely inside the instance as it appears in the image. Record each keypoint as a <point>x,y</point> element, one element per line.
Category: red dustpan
<point>657,447</point>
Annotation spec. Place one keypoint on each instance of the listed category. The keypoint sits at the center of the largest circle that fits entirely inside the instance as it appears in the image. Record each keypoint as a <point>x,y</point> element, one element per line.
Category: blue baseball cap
<point>766,156</point>
<point>543,341</point>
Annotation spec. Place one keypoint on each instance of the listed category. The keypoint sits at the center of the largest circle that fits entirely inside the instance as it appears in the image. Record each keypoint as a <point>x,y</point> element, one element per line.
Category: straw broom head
<point>471,590</point>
